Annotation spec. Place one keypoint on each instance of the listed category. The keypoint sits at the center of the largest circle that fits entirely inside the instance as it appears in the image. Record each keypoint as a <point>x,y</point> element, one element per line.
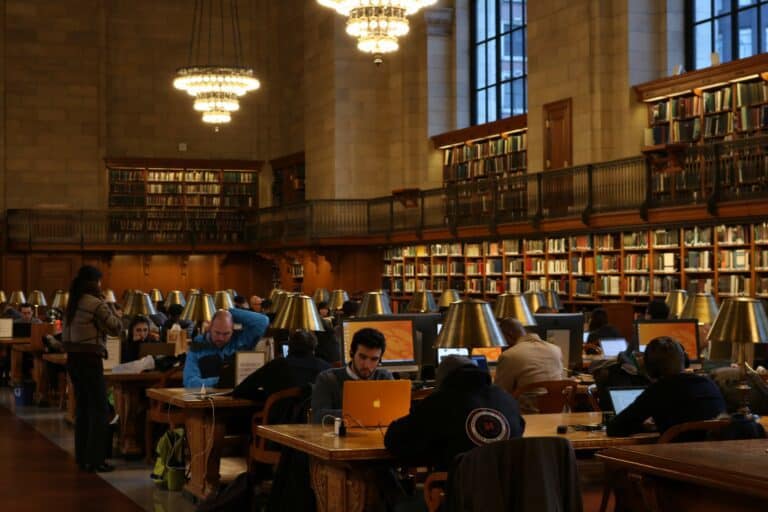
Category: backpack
<point>170,465</point>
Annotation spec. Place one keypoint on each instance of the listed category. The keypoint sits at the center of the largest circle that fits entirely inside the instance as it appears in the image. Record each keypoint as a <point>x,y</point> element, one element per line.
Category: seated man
<point>674,397</point>
<point>27,315</point>
<point>256,303</point>
<point>529,358</point>
<point>365,354</point>
<point>208,351</point>
<point>599,328</point>
<point>300,368</point>
<point>463,412</point>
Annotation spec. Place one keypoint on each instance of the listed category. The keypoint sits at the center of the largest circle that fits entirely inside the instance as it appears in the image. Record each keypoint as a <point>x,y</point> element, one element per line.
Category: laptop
<point>622,397</point>
<point>445,352</point>
<point>22,329</point>
<point>157,349</point>
<point>375,403</point>
<point>285,350</point>
<point>612,347</point>
<point>480,360</point>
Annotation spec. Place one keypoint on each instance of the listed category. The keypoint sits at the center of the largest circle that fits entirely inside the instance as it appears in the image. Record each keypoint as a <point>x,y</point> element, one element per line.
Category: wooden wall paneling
<point>14,273</point>
<point>49,273</point>
<point>203,273</point>
<point>162,271</point>
<point>125,274</point>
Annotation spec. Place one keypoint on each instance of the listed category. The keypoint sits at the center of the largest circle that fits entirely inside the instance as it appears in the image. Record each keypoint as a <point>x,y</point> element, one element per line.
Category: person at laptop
<point>138,333</point>
<point>673,397</point>
<point>27,312</point>
<point>365,353</point>
<point>529,359</point>
<point>463,412</point>
<point>300,368</point>
<point>217,347</point>
<point>599,328</point>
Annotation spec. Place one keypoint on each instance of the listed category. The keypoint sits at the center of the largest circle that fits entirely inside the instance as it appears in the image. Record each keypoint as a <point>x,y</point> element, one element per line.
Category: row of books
<point>484,149</point>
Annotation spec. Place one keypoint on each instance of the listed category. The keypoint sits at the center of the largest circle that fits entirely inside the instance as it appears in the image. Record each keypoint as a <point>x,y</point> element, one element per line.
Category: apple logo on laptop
<point>377,404</point>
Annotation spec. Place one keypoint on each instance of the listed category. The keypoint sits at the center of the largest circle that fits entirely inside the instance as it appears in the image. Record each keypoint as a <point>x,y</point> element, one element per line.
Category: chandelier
<point>215,87</point>
<point>377,23</point>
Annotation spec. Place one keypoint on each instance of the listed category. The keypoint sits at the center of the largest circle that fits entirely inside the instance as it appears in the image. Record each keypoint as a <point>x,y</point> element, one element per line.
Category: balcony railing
<point>728,171</point>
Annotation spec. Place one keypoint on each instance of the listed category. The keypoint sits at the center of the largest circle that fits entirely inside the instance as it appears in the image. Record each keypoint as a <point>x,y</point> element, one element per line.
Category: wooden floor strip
<point>36,475</point>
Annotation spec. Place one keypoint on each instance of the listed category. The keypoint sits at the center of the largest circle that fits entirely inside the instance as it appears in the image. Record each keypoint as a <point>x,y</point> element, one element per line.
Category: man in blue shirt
<point>220,343</point>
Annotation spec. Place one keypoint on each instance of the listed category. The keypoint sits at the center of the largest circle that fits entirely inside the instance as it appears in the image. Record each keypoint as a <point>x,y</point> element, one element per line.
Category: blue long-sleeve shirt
<point>253,327</point>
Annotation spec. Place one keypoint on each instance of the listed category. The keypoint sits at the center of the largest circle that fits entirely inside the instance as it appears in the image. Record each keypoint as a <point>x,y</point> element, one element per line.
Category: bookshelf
<point>722,103</point>
<point>631,265</point>
<point>173,197</point>
<point>288,182</point>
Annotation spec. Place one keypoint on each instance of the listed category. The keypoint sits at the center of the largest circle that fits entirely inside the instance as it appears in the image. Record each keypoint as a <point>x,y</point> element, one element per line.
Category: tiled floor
<point>130,478</point>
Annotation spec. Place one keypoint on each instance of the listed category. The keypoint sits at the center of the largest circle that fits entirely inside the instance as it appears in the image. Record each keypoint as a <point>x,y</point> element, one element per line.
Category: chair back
<point>707,428</point>
<point>259,451</point>
<point>546,397</point>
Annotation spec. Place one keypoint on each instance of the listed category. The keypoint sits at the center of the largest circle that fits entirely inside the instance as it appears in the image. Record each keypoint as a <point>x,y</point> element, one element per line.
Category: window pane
<point>744,3</point>
<point>504,15</point>
<point>480,102</point>
<point>491,103</point>
<point>480,19</point>
<point>518,96</point>
<point>480,66</point>
<point>723,38</point>
<point>518,13</point>
<point>747,32</point>
<point>703,9</point>
<point>506,56</point>
<point>722,7</point>
<point>702,45</point>
<point>491,62</point>
<point>518,53</point>
<point>490,26</point>
<point>506,99</point>
<point>764,26</point>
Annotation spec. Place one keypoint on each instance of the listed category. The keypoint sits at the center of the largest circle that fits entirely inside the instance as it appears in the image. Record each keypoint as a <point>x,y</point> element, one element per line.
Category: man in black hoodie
<point>465,411</point>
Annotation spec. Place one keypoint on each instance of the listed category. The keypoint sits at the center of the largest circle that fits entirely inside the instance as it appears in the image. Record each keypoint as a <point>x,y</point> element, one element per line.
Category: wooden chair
<point>259,452</point>
<point>713,427</point>
<point>434,490</point>
<point>556,396</point>
<point>162,413</point>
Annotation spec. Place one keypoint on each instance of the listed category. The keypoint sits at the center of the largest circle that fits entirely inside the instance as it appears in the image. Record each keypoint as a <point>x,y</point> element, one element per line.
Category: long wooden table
<point>205,422</point>
<point>708,476</point>
<point>337,463</point>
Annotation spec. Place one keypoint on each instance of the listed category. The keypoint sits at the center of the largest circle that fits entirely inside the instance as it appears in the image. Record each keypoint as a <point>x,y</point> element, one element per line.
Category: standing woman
<point>87,321</point>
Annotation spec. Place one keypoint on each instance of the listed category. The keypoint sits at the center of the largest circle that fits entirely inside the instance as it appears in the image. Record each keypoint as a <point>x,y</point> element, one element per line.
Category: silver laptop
<point>444,352</point>
<point>613,346</point>
<point>623,397</point>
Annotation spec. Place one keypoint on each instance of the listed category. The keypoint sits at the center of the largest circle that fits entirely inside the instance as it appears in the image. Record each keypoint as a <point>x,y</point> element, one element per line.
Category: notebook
<point>623,397</point>
<point>374,403</point>
<point>613,346</point>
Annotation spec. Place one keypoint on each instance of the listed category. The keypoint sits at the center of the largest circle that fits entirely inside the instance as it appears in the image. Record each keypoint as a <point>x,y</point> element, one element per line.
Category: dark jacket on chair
<point>535,474</point>
<point>464,412</point>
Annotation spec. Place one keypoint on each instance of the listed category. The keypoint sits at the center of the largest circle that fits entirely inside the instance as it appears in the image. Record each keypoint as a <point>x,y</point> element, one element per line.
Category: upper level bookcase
<point>723,102</point>
<point>492,149</point>
<point>183,184</point>
<point>288,175</point>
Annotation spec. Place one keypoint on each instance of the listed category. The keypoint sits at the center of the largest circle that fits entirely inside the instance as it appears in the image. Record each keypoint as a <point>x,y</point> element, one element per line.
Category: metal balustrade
<point>726,171</point>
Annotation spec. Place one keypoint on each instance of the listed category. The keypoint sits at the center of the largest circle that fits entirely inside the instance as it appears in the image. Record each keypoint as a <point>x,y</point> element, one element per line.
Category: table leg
<point>205,443</point>
<point>339,488</point>
<point>17,362</point>
<point>41,378</point>
<point>71,403</point>
<point>128,407</point>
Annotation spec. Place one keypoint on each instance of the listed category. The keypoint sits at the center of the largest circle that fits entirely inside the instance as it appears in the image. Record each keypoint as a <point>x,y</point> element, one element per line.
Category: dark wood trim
<point>183,163</point>
<point>287,161</point>
<point>687,82</point>
<point>480,131</point>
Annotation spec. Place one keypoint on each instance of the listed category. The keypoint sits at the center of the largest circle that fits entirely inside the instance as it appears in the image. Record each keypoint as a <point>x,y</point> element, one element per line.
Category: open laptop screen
<point>613,346</point>
<point>397,332</point>
<point>444,352</point>
<point>684,331</point>
<point>623,397</point>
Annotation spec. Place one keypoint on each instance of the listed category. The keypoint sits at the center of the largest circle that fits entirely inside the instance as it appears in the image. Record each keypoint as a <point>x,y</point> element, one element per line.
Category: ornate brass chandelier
<point>377,24</point>
<point>216,87</point>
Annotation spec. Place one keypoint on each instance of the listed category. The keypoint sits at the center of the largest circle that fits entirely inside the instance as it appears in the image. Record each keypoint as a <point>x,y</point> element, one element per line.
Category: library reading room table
<point>205,421</point>
<point>337,463</point>
<point>708,476</point>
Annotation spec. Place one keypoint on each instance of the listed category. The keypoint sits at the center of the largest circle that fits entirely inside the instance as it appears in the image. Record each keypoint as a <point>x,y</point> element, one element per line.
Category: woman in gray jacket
<point>87,321</point>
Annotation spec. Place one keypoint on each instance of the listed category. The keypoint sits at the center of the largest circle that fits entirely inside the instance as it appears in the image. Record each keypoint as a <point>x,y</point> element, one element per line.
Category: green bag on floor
<point>170,465</point>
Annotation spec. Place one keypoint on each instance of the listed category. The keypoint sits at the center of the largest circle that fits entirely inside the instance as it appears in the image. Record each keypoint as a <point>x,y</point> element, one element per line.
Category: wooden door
<point>558,154</point>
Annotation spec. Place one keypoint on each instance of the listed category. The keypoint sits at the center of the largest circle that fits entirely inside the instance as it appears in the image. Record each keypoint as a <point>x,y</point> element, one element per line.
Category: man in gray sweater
<point>365,354</point>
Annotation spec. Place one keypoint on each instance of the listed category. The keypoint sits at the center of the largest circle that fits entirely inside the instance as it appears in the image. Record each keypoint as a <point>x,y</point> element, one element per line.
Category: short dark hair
<point>302,343</point>
<point>664,357</point>
<point>369,338</point>
<point>239,299</point>
<point>598,319</point>
<point>175,309</point>
<point>349,308</point>
<point>25,305</point>
<point>322,305</point>
<point>658,309</point>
